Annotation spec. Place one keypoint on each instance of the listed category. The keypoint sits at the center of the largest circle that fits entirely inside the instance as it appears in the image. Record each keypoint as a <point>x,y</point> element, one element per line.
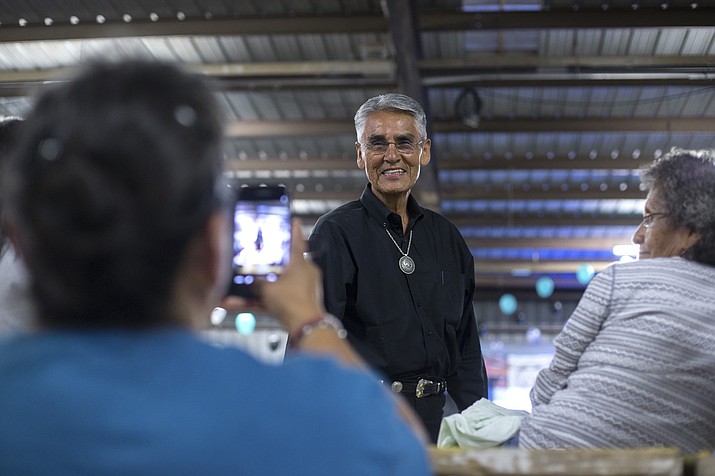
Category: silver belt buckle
<point>421,387</point>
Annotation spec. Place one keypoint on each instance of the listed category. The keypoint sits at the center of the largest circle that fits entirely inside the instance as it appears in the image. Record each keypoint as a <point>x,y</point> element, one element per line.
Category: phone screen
<point>261,234</point>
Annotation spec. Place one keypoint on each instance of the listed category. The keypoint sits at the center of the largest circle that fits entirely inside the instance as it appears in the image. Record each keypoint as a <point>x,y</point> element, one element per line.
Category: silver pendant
<point>407,266</point>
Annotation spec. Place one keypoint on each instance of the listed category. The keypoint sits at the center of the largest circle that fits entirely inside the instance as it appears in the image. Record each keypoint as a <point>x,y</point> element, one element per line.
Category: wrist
<point>325,321</point>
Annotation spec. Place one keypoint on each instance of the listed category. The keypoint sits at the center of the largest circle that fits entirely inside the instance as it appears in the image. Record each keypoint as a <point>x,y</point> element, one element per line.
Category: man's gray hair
<point>391,102</point>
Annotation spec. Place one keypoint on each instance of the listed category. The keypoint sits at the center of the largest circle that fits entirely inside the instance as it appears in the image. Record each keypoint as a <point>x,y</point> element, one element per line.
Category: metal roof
<point>540,112</point>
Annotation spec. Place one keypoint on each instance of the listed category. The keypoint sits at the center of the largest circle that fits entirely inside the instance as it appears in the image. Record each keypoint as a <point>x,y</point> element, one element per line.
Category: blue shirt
<point>165,402</point>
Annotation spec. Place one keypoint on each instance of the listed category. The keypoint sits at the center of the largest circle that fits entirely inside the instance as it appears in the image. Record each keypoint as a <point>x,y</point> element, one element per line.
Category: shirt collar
<point>381,213</point>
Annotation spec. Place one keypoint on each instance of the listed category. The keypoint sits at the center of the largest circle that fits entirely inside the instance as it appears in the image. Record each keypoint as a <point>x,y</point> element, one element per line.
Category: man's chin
<point>394,188</point>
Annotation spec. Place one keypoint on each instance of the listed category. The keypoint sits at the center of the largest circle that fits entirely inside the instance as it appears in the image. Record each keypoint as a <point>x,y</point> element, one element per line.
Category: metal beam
<point>362,23</point>
<point>297,68</point>
<point>487,267</point>
<point>535,220</point>
<point>327,127</point>
<point>571,243</point>
<point>549,80</point>
<point>500,61</point>
<point>481,193</point>
<point>285,25</point>
<point>613,124</point>
<point>305,127</point>
<point>570,19</point>
<point>402,17</point>
<point>477,192</point>
<point>274,164</point>
<point>381,74</point>
<point>527,220</point>
<point>621,162</point>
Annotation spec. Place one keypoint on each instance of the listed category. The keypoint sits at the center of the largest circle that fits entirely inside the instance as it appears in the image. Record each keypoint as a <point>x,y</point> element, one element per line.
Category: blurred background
<point>540,113</point>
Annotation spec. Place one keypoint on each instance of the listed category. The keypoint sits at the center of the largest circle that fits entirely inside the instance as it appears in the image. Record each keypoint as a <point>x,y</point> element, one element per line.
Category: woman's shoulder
<point>657,266</point>
<point>662,277</point>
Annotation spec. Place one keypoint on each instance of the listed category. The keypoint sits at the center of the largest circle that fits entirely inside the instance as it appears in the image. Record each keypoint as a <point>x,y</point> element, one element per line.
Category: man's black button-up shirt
<point>403,325</point>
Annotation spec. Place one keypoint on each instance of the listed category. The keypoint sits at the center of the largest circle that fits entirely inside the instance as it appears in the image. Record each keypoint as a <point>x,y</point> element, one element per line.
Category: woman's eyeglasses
<point>649,218</point>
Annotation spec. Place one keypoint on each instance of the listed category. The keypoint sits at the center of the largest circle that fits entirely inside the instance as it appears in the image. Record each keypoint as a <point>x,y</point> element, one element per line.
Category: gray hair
<point>685,179</point>
<point>391,102</point>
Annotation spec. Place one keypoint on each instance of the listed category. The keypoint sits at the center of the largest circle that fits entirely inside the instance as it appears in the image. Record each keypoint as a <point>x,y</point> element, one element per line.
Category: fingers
<point>297,294</point>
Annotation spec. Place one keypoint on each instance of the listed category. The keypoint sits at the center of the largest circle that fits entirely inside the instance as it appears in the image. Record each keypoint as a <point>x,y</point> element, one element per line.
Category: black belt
<point>423,387</point>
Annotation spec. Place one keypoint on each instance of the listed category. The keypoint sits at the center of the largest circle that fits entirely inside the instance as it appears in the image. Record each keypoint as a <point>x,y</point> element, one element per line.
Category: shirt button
<point>429,333</point>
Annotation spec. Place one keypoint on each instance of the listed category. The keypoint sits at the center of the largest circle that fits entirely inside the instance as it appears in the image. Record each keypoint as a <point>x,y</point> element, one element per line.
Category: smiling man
<point>400,276</point>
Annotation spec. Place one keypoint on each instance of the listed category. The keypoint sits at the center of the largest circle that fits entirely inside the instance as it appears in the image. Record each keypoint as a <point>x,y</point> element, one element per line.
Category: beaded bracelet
<point>326,321</point>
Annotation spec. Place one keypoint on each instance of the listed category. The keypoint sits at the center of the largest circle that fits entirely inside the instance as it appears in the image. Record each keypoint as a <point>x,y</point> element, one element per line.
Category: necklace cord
<point>409,243</point>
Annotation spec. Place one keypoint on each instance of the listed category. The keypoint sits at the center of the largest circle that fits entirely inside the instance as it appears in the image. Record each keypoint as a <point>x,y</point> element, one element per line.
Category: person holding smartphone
<point>116,192</point>
<point>399,276</point>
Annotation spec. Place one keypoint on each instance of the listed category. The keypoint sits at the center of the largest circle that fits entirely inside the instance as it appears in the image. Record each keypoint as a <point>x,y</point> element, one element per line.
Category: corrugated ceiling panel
<point>670,41</point>
<point>184,50</point>
<point>239,106</point>
<point>557,43</point>
<point>643,41</point>
<point>496,5</point>
<point>261,49</point>
<point>587,42</point>
<point>265,106</point>
<point>699,41</point>
<point>615,42</point>
<point>295,105</point>
<point>295,148</point>
<point>519,40</point>
<point>236,49</point>
<point>211,50</point>
<point>446,45</point>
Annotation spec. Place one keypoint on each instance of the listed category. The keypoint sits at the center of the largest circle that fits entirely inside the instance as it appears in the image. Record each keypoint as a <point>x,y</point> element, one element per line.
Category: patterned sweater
<point>634,365</point>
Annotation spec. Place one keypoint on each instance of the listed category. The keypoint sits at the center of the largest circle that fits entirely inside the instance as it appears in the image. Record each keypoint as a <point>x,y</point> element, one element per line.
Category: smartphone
<point>261,236</point>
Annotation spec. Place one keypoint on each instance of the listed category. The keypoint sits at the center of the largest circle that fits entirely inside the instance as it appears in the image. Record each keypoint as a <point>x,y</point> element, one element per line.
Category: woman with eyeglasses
<point>635,363</point>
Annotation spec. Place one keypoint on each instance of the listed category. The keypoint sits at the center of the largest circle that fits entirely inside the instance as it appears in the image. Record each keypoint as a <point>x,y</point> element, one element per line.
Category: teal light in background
<point>544,287</point>
<point>507,304</point>
<point>585,273</point>
<point>245,322</point>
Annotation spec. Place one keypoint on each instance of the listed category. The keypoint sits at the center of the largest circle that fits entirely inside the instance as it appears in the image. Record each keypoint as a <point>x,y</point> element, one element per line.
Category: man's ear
<point>426,150</point>
<point>360,160</point>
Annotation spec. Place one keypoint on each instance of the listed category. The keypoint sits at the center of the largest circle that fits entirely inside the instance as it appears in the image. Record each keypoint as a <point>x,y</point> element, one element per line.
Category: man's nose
<point>391,150</point>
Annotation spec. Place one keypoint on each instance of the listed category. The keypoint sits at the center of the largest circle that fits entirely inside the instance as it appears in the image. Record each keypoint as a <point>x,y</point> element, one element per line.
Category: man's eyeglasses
<point>649,218</point>
<point>403,146</point>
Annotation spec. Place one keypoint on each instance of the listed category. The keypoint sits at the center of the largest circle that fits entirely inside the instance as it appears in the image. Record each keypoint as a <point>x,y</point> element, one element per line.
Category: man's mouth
<point>393,172</point>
